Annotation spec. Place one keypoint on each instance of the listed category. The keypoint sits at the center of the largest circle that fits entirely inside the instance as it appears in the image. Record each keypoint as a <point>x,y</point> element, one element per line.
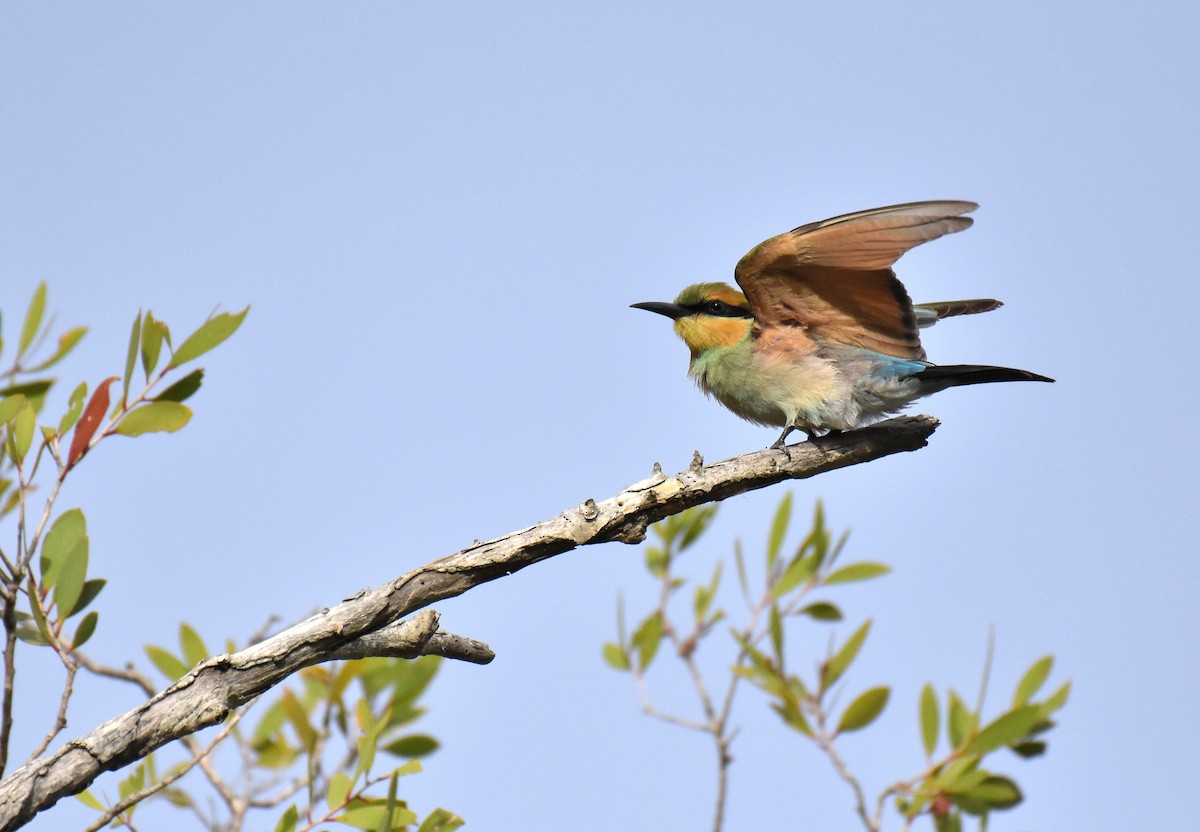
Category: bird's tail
<point>956,375</point>
<point>929,314</point>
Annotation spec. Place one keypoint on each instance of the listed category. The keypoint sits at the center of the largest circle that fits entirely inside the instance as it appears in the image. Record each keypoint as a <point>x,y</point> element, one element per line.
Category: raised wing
<point>834,277</point>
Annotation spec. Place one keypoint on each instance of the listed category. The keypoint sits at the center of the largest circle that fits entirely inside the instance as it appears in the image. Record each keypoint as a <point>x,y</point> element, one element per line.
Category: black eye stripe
<point>719,308</point>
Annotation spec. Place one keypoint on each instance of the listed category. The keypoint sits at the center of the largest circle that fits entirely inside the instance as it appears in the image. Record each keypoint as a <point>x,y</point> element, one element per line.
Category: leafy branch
<point>44,585</point>
<point>949,786</point>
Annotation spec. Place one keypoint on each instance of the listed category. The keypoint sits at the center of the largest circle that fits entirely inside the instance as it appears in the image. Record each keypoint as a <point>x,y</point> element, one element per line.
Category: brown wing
<point>834,277</point>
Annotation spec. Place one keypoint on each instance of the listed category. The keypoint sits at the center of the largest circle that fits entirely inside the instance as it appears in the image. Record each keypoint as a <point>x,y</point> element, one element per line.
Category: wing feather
<point>834,277</point>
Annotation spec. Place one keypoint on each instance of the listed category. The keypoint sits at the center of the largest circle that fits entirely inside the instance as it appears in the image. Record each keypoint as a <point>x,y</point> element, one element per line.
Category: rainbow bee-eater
<point>825,337</point>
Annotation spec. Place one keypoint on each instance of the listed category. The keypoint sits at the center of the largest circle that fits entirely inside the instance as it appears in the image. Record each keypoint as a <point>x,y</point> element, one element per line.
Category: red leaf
<point>97,406</point>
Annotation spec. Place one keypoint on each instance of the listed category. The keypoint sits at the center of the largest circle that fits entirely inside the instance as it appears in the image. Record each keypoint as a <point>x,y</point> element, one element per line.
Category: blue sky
<point>440,214</point>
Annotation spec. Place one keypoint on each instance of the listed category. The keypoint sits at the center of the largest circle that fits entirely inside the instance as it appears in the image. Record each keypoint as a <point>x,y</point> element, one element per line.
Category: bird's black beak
<point>672,310</point>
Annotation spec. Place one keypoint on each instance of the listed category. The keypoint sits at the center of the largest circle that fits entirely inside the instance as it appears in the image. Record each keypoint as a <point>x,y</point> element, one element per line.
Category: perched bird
<point>825,337</point>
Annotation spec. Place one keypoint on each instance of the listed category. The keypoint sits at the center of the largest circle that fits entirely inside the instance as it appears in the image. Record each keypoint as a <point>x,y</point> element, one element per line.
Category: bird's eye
<point>716,307</point>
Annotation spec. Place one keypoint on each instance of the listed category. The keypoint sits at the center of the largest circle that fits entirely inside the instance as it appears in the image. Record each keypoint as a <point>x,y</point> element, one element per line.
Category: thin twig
<point>60,720</point>
<point>10,631</point>
<point>127,674</point>
<point>10,673</point>
<point>825,741</point>
<point>650,710</point>
<point>726,711</point>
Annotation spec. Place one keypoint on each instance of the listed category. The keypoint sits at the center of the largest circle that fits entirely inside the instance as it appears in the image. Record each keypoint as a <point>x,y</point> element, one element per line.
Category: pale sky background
<point>441,213</point>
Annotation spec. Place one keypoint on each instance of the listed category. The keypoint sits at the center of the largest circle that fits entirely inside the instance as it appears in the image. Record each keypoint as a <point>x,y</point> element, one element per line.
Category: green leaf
<point>761,671</point>
<point>995,792</point>
<point>339,790</point>
<point>178,798</point>
<point>779,527</point>
<point>68,529</point>
<point>954,772</point>
<point>86,627</point>
<point>408,679</point>
<point>167,664</point>
<point>960,722</point>
<point>836,666</point>
<point>135,338</point>
<point>36,611</point>
<point>740,561</point>
<point>192,645</point>
<point>133,783</point>
<point>816,544</point>
<point>287,823</point>
<point>656,561</point>
<point>865,709</point>
<point>89,800</point>
<point>33,319</point>
<point>647,638</point>
<point>696,521</point>
<point>91,588</point>
<point>441,820</point>
<point>33,390</point>
<point>776,630</point>
<point>1005,730</point>
<point>31,635</point>
<point>211,333</point>
<point>856,572</point>
<point>183,389</point>
<point>705,594</point>
<point>74,408</point>
<point>275,754</point>
<point>413,745</point>
<point>155,417</point>
<point>966,780</point>
<point>1033,680</point>
<point>798,571</point>
<point>21,436</point>
<point>615,656</point>
<point>272,720</point>
<point>411,767</point>
<point>368,743</point>
<point>66,343</point>
<point>821,611</point>
<point>1056,701</point>
<point>153,332</point>
<point>10,406</point>
<point>929,719</point>
<point>368,816</point>
<point>347,672</point>
<point>700,602</point>
<point>389,818</point>
<point>298,717</point>
<point>71,576</point>
<point>1029,749</point>
<point>792,716</point>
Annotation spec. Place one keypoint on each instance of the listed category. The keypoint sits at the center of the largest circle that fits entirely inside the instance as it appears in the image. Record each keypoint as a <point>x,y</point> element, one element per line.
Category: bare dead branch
<point>218,685</point>
<point>413,637</point>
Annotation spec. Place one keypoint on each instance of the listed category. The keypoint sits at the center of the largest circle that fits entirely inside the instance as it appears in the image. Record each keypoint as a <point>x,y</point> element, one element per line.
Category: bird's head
<point>707,315</point>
